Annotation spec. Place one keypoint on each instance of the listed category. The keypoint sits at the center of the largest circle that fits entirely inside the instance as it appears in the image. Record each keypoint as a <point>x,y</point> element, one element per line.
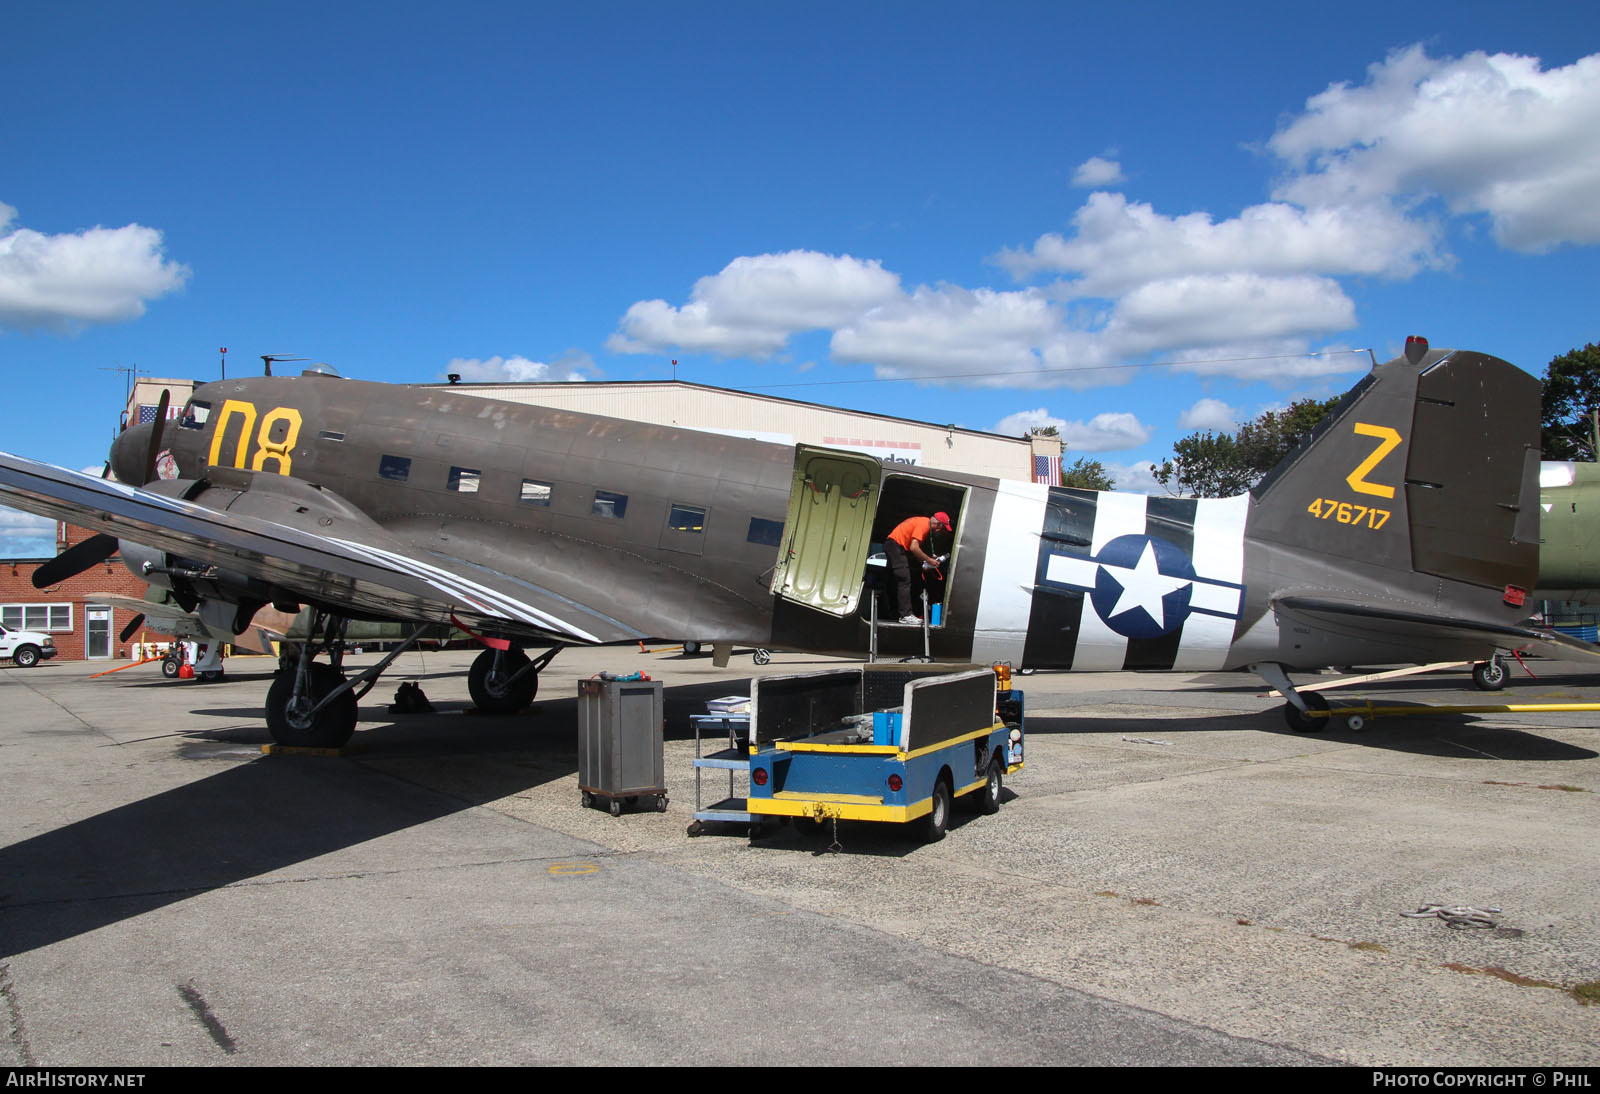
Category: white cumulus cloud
<point>1136,478</point>
<point>756,302</point>
<point>1497,135</point>
<point>1108,432</point>
<point>1119,245</point>
<point>1212,414</point>
<point>1098,171</point>
<point>23,535</point>
<point>100,275</point>
<point>501,370</point>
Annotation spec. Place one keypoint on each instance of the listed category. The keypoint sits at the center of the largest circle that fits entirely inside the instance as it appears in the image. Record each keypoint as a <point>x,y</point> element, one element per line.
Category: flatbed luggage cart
<point>824,746</point>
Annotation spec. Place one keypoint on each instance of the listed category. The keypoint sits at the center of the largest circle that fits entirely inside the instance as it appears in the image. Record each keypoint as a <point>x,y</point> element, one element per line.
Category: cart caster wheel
<point>761,657</point>
<point>661,804</point>
<point>586,798</point>
<point>616,807</point>
<point>1355,723</point>
<point>695,829</point>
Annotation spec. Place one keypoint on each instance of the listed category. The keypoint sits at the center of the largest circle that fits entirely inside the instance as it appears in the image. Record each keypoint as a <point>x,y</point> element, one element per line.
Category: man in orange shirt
<point>905,545</point>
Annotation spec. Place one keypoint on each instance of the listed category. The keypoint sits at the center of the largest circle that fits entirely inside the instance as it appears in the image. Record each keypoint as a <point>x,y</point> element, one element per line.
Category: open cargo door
<point>822,562</point>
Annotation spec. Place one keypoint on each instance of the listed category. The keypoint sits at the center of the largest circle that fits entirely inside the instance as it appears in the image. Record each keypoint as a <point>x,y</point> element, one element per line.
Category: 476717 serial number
<point>1348,513</point>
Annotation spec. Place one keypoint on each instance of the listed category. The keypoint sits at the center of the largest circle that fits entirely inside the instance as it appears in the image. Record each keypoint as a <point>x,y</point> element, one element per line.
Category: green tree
<point>1087,474</point>
<point>1571,398</point>
<point>1220,465</point>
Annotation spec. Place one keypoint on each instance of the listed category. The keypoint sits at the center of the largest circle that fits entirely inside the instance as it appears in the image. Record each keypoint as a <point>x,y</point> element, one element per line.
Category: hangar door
<point>832,502</point>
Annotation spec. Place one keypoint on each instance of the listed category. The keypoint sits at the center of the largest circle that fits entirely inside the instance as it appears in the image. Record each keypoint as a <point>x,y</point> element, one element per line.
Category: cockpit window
<point>195,414</point>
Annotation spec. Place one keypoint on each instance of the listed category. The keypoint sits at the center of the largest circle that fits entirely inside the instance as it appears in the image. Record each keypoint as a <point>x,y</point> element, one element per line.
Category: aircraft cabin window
<point>535,492</point>
<point>607,504</point>
<point>394,468</point>
<point>464,479</point>
<point>768,533</point>
<point>194,415</point>
<point>686,518</point>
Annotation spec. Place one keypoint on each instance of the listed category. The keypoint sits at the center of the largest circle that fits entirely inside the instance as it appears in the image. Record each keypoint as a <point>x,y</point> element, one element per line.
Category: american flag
<point>1047,469</point>
<point>147,414</point>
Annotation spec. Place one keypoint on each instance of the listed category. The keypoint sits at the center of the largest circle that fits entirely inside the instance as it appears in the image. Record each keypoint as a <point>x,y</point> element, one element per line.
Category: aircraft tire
<point>1490,675</point>
<point>332,725</point>
<point>1299,722</point>
<point>501,700</point>
<point>938,818</point>
<point>691,649</point>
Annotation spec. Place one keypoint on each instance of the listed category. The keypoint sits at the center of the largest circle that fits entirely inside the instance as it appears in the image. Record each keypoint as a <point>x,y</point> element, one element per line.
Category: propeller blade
<point>74,560</point>
<point>155,436</point>
<point>133,624</point>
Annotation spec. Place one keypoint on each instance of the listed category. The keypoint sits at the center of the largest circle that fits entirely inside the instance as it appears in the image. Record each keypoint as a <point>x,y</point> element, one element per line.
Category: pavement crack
<point>16,1031</point>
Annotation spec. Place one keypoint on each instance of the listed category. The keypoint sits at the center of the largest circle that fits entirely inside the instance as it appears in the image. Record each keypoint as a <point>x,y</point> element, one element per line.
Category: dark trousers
<point>905,579</point>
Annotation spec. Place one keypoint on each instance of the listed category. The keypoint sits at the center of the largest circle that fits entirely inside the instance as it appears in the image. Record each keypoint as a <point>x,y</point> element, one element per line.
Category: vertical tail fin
<point>1430,463</point>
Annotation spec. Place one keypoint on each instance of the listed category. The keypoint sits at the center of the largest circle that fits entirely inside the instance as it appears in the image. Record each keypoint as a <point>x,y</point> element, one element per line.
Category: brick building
<point>82,627</point>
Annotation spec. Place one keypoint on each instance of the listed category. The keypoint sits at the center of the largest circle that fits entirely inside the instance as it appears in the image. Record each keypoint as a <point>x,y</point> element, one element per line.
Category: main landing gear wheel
<point>494,692</point>
<point>1490,675</point>
<point>290,719</point>
<point>938,819</point>
<point>1301,723</point>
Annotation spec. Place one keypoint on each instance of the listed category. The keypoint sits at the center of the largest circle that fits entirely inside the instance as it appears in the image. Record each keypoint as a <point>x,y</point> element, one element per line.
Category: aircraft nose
<point>130,453</point>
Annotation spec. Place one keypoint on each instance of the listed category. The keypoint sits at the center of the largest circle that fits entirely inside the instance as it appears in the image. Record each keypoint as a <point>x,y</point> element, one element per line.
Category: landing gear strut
<point>314,706</point>
<point>505,681</point>
<point>1297,710</point>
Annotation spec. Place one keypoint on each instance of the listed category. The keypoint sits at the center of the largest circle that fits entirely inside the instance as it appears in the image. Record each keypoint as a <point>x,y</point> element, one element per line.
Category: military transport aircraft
<point>1405,530</point>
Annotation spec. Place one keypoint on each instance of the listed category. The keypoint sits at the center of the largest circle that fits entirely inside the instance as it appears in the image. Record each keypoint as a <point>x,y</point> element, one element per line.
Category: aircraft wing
<point>1433,629</point>
<point>346,561</point>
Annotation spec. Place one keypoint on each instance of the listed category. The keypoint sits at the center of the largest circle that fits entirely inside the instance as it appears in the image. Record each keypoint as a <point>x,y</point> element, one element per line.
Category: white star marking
<point>1144,586</point>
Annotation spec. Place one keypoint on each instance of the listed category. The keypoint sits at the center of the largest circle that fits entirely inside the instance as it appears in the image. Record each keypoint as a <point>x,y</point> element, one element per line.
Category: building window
<point>607,504</point>
<point>464,480</point>
<point>769,533</point>
<point>394,468</point>
<point>52,618</point>
<point>535,492</point>
<point>686,518</point>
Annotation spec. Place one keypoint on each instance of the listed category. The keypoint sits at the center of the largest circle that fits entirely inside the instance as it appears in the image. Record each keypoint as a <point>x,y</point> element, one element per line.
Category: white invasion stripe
<point>1071,570</point>
<point>1218,555</point>
<point>1011,556</point>
<point>1216,598</point>
<point>1099,647</point>
<point>495,603</point>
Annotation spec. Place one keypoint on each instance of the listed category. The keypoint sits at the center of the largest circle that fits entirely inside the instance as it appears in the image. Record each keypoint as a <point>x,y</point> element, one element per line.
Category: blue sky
<point>1001,209</point>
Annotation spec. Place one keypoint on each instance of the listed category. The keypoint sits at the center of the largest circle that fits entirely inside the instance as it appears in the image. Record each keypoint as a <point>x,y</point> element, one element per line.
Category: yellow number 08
<point>266,448</point>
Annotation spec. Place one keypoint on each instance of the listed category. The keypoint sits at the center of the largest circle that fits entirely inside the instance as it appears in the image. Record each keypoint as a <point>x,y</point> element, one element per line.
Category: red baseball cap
<point>943,518</point>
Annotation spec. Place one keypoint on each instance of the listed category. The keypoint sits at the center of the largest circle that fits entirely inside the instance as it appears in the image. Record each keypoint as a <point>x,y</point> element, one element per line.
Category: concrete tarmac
<point>1175,878</point>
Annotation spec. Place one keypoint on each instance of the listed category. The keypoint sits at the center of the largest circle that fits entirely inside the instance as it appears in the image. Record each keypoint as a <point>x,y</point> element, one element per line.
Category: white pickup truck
<point>26,648</point>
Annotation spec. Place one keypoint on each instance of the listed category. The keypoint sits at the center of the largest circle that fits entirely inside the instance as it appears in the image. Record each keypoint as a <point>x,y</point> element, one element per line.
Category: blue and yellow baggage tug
<point>832,746</point>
